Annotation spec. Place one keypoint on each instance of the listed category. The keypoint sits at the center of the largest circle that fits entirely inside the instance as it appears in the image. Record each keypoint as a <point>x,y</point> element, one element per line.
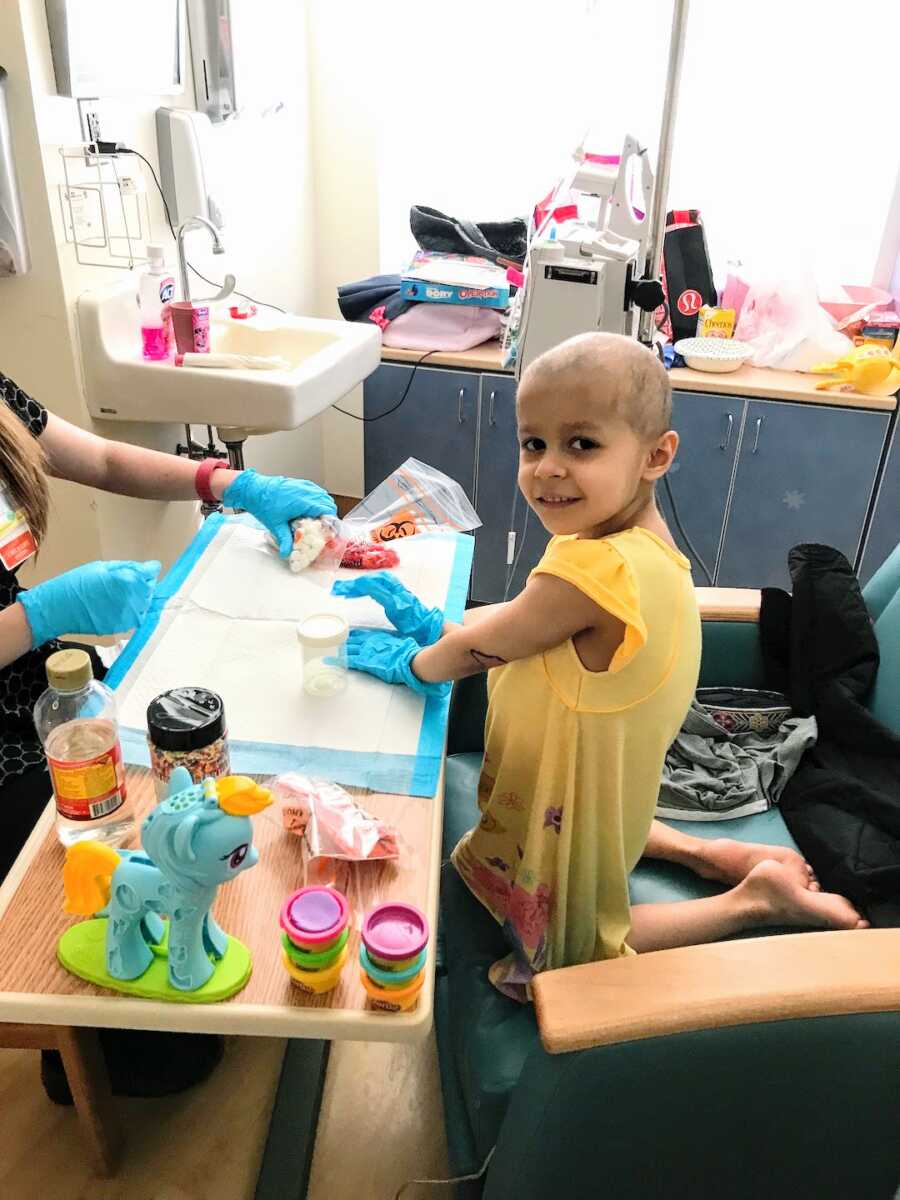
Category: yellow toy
<point>873,370</point>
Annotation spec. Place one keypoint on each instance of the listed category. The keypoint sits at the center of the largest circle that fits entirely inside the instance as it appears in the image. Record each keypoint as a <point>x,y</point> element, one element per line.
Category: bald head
<point>627,377</point>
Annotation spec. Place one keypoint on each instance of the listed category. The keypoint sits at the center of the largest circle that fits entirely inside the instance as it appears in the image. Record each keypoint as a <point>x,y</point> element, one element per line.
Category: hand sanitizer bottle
<point>155,291</point>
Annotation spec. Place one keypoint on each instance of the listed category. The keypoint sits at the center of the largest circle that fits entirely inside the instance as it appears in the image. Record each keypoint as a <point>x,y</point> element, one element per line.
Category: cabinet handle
<point>460,414</point>
<point>759,422</point>
<point>726,441</point>
<point>491,409</point>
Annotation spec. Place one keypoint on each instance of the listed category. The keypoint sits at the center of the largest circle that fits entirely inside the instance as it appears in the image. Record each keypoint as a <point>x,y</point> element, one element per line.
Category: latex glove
<point>388,657</point>
<point>99,598</point>
<point>275,500</point>
<point>405,612</point>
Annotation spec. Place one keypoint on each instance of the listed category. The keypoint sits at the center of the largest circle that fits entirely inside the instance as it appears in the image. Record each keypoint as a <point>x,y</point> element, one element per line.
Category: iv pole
<point>667,130</point>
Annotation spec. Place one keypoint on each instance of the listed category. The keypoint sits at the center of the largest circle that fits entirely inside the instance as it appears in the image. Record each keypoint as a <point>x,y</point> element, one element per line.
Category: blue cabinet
<point>709,428</point>
<point>437,422</point>
<point>884,532</point>
<point>752,478</point>
<point>498,501</point>
<point>804,474</point>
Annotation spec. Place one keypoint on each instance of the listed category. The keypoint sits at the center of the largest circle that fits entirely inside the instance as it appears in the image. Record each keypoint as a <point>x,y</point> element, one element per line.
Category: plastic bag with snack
<point>330,821</point>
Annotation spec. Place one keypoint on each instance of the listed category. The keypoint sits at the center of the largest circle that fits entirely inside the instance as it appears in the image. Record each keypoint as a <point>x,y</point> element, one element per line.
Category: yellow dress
<point>573,758</point>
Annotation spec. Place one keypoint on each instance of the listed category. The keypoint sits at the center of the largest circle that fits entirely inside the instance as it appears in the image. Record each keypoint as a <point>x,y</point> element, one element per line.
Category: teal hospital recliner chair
<point>764,1068</point>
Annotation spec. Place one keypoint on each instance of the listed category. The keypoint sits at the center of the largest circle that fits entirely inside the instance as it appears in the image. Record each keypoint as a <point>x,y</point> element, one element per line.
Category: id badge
<point>17,542</point>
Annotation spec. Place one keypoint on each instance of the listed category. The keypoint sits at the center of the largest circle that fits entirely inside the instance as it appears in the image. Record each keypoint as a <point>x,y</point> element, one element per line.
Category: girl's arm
<point>82,457</point>
<point>547,613</point>
<point>15,634</point>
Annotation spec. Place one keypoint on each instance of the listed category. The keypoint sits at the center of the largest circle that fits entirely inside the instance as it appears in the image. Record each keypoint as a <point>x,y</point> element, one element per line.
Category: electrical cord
<point>511,571</point>
<point>149,165</point>
<point>681,529</point>
<point>367,420</point>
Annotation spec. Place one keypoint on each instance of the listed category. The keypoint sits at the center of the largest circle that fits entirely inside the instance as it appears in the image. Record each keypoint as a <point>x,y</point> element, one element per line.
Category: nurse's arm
<point>15,634</point>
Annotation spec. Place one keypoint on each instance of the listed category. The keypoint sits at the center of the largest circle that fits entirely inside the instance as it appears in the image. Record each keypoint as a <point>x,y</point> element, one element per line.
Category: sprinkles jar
<point>186,728</point>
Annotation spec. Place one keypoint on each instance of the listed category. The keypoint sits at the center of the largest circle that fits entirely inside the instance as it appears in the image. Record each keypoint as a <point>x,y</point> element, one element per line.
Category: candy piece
<point>365,556</point>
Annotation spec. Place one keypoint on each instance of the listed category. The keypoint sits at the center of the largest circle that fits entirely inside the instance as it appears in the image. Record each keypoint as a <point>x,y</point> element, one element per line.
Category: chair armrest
<point>728,604</point>
<point>724,983</point>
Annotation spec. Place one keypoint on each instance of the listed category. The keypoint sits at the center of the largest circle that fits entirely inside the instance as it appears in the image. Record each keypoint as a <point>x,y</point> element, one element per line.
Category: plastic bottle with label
<point>76,722</point>
<point>156,290</point>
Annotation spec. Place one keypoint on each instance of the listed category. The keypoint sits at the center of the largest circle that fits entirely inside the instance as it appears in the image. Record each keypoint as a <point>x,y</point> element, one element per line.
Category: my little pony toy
<point>197,838</point>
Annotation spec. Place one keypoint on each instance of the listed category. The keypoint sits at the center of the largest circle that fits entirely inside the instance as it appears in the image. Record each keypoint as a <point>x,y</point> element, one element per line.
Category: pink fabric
<point>442,327</point>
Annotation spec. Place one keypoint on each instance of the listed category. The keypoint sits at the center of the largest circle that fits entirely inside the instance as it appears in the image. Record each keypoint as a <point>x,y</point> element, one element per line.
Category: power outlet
<point>89,115</point>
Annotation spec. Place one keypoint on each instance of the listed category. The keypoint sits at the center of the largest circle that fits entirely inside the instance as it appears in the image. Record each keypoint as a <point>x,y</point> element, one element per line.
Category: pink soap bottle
<point>155,292</point>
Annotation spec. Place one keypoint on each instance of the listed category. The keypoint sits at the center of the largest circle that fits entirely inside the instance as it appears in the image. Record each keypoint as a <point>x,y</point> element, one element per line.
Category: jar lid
<point>185,718</point>
<point>69,670</point>
<point>314,915</point>
<point>395,931</point>
<point>322,629</point>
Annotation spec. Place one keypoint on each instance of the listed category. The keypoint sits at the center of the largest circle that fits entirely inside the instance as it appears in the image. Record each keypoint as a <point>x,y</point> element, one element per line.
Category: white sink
<point>327,359</point>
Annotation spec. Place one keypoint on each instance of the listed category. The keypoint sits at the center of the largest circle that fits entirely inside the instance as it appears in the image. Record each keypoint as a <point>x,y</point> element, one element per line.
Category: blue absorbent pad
<point>224,617</point>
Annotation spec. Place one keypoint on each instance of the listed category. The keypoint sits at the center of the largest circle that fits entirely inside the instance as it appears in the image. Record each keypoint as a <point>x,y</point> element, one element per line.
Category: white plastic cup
<point>323,638</point>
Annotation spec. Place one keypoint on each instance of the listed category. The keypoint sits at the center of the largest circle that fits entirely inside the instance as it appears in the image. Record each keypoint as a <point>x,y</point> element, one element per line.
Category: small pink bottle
<point>155,291</point>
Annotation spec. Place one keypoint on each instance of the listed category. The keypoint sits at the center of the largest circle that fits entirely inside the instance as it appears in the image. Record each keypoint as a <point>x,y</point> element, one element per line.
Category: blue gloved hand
<point>275,500</point>
<point>99,598</point>
<point>405,612</point>
<point>388,657</point>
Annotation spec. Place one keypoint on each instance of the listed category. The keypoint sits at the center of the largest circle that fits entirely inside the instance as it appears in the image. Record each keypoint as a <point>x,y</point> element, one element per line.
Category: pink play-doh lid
<point>314,915</point>
<point>395,931</point>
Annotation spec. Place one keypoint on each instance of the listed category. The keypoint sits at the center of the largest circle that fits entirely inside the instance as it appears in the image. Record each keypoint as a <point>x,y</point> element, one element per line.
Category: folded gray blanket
<point>733,756</point>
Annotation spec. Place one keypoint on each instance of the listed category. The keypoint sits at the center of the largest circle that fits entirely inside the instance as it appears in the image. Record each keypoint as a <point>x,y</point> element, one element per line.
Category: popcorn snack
<point>311,536</point>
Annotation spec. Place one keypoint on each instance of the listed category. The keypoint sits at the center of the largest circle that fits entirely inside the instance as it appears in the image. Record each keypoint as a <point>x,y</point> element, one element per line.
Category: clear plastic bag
<point>782,320</point>
<point>330,821</point>
<point>413,498</point>
<point>319,545</point>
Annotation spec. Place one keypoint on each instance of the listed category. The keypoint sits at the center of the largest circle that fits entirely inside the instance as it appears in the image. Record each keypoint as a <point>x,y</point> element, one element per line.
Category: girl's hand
<point>389,658</point>
<point>275,500</point>
<point>99,598</point>
<point>405,611</point>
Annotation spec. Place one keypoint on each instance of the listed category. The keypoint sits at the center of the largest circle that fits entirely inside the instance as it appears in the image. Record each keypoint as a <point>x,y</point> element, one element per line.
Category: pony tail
<point>86,877</point>
<point>23,469</point>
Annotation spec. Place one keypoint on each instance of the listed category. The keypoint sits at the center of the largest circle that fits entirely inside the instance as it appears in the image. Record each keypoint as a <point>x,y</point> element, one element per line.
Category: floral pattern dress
<point>573,760</point>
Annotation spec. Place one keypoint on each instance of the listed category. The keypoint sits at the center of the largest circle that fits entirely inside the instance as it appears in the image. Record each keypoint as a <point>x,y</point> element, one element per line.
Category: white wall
<point>346,95</point>
<point>268,204</point>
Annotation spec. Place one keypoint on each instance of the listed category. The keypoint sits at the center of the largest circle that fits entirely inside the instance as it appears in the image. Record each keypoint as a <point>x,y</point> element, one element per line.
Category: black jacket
<point>842,806</point>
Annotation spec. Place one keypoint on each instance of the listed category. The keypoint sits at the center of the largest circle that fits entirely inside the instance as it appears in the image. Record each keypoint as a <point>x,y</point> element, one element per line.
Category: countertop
<point>748,381</point>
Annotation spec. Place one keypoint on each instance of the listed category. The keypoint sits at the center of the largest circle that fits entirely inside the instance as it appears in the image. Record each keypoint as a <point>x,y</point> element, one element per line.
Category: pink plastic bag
<point>852,303</point>
<point>442,327</point>
<point>331,822</point>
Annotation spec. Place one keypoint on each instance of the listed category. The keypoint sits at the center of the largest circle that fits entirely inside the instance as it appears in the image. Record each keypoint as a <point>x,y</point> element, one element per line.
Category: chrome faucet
<point>198,223</point>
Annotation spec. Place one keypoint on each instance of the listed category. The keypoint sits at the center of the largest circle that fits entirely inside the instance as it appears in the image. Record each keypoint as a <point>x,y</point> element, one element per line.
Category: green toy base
<point>82,950</point>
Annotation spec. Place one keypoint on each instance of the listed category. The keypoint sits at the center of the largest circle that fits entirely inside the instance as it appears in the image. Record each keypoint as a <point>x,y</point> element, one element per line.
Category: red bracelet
<point>203,476</point>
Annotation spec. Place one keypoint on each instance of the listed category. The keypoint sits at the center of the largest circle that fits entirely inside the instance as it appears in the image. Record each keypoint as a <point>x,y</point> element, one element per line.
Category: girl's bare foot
<point>776,897</point>
<point>727,861</point>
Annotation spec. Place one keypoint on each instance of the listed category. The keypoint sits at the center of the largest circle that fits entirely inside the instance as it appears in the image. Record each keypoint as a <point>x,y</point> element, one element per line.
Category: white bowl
<point>713,354</point>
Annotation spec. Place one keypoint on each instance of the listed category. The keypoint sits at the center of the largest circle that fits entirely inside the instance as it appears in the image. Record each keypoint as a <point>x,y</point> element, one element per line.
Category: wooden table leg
<point>89,1083</point>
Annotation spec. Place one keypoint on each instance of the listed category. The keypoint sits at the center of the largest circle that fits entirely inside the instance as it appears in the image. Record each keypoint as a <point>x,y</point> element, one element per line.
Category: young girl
<point>592,669</point>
